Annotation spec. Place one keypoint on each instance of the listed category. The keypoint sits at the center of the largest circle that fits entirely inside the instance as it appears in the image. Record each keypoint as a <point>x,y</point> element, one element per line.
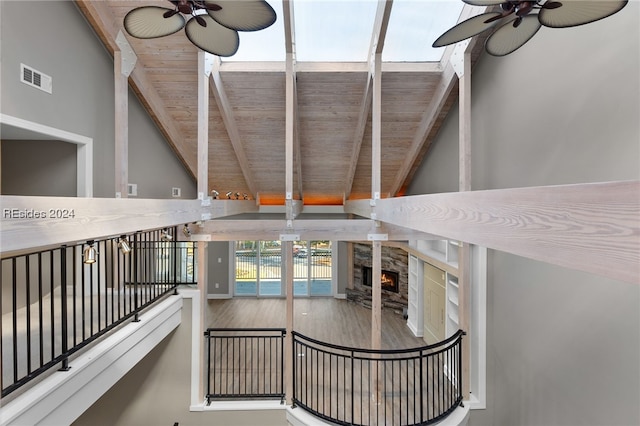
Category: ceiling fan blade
<point>483,2</point>
<point>247,15</point>
<point>509,37</point>
<point>214,38</point>
<point>574,12</point>
<point>469,28</point>
<point>149,22</point>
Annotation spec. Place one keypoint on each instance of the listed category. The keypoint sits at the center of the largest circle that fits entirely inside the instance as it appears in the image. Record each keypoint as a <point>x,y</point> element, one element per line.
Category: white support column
<point>376,295</point>
<point>464,251</point>
<point>124,60</point>
<point>289,362</point>
<point>121,127</point>
<point>377,383</point>
<point>202,326</point>
<point>376,124</point>
<point>289,129</point>
<point>376,269</point>
<point>205,64</point>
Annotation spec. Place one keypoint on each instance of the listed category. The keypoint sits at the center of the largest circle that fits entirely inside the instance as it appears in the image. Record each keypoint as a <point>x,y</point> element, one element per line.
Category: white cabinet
<point>434,304</point>
<point>445,255</point>
<point>415,296</point>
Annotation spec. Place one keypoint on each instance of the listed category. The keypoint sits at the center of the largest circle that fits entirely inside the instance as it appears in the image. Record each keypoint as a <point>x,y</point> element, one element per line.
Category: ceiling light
<point>213,25</point>
<point>186,231</point>
<point>519,21</point>
<point>214,194</point>
<point>165,235</point>
<point>90,254</point>
<point>125,248</point>
<point>229,195</point>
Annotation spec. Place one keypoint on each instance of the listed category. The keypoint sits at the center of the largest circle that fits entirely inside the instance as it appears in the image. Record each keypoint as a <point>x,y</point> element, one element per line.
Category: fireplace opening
<point>388,279</point>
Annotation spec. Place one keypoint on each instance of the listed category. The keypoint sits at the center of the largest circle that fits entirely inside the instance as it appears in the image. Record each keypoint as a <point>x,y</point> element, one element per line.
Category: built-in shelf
<point>453,323</point>
<point>415,295</point>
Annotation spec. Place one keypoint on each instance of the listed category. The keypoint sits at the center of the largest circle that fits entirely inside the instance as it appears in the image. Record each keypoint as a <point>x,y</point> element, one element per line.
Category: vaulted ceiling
<point>332,159</point>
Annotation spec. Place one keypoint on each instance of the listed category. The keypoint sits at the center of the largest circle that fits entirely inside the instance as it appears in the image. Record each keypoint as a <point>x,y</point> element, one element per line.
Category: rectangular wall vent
<point>35,78</point>
<point>175,192</point>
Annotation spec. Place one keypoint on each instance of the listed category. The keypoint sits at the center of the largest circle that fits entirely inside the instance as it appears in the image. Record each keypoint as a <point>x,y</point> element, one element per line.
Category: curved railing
<point>350,386</point>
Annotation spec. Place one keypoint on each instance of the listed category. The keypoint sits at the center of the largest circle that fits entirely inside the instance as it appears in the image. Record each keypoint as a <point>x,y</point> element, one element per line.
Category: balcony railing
<point>342,385</point>
<point>245,363</point>
<point>54,303</point>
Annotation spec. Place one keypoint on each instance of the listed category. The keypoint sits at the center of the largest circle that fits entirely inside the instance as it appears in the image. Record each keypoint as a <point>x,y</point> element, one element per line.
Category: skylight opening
<point>333,30</point>
<point>340,31</point>
<point>413,27</point>
<point>264,45</point>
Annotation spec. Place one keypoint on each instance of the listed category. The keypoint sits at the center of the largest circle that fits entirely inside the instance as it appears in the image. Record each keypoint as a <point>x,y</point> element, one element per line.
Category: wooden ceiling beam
<point>592,227</point>
<point>103,23</point>
<point>292,141</point>
<point>376,45</point>
<point>217,88</point>
<point>308,229</point>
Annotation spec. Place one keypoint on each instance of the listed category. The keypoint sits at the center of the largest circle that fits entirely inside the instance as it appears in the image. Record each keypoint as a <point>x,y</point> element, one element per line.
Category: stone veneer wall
<point>392,259</point>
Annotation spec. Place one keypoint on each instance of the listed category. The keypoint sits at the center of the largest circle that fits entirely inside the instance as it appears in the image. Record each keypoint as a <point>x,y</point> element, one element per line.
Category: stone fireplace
<point>394,266</point>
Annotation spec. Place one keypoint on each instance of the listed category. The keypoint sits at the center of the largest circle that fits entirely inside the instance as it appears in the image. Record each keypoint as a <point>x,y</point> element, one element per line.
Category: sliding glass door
<point>259,268</point>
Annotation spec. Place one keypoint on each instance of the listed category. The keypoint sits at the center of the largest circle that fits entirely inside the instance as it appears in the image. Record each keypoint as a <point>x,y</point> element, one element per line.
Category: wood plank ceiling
<point>247,116</point>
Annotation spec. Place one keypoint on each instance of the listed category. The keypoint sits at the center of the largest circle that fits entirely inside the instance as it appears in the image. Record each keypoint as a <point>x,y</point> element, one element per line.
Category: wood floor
<point>351,386</point>
<point>327,319</point>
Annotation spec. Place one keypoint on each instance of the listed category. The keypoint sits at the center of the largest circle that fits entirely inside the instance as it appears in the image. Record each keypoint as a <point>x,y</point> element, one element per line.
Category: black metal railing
<point>54,303</point>
<point>245,363</point>
<point>350,386</point>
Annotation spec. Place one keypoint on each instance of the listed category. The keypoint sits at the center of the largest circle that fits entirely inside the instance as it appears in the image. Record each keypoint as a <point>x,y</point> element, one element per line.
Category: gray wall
<point>54,38</point>
<point>563,347</point>
<point>218,272</point>
<point>157,391</point>
<point>24,173</point>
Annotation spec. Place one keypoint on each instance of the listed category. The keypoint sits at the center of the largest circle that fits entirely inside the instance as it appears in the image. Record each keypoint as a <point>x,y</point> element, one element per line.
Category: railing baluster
<point>134,268</point>
<point>99,274</point>
<point>75,295</point>
<point>52,306</point>
<point>14,317</point>
<point>28,307</point>
<point>207,334</point>
<point>63,307</point>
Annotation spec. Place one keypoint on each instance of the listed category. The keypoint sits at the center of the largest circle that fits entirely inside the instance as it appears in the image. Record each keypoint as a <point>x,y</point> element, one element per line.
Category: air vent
<point>132,190</point>
<point>35,78</point>
<point>175,192</point>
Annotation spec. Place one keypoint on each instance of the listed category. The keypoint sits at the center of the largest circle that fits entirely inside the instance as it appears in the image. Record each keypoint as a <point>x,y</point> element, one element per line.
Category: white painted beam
<point>593,227</point>
<point>306,229</point>
<point>203,73</point>
<point>121,119</point>
<point>30,222</point>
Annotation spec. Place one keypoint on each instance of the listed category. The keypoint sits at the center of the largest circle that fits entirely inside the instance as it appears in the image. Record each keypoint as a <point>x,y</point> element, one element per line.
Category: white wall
<point>563,346</point>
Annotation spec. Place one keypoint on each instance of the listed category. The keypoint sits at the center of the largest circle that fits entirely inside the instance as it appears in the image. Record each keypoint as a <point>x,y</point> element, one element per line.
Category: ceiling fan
<point>518,21</point>
<point>213,26</point>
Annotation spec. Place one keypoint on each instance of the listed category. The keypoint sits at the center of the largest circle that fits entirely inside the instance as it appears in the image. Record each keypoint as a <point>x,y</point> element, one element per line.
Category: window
<point>259,268</point>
